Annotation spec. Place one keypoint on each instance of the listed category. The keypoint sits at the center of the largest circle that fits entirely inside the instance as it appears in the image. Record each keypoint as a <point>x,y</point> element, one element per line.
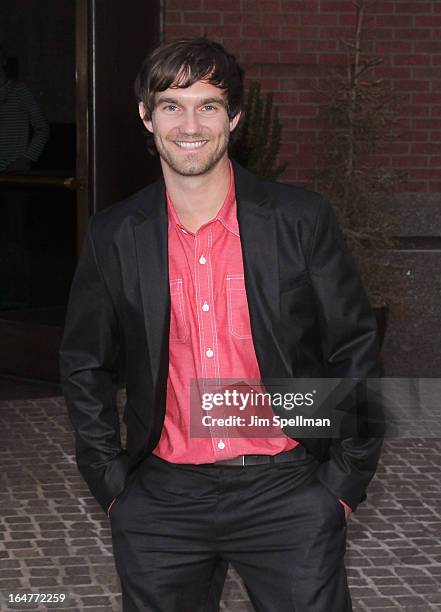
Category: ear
<point>142,114</point>
<point>234,121</point>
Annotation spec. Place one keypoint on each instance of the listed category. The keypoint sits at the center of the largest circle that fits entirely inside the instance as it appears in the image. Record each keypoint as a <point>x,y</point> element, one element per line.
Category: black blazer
<point>309,314</point>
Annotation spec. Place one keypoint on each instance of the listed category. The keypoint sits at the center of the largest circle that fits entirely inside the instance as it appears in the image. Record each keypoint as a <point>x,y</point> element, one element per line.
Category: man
<point>212,274</point>
<point>23,135</point>
<point>23,128</point>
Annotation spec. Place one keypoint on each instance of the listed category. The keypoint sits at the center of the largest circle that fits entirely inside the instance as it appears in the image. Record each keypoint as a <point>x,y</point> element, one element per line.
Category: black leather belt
<point>245,460</point>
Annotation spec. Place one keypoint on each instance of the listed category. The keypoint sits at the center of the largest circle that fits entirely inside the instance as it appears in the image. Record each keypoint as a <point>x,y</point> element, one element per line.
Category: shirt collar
<point>227,214</point>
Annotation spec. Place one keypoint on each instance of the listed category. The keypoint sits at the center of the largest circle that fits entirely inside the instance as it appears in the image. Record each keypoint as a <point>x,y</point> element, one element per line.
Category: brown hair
<point>181,63</point>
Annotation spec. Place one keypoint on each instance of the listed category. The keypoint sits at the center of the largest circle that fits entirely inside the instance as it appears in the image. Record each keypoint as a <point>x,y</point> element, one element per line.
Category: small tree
<point>358,114</point>
<point>257,144</point>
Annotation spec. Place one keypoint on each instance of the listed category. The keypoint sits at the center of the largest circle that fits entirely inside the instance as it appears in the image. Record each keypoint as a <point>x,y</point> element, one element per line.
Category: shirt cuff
<point>109,508</point>
<point>345,505</point>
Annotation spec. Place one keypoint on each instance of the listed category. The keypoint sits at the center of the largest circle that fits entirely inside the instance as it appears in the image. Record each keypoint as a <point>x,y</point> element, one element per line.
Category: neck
<point>198,199</point>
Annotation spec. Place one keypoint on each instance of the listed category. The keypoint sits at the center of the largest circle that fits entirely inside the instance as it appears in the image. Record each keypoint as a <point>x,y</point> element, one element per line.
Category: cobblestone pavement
<point>55,539</point>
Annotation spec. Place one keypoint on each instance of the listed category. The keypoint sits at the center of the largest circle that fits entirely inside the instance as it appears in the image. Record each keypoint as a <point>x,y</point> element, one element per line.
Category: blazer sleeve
<point>350,348</point>
<point>89,378</point>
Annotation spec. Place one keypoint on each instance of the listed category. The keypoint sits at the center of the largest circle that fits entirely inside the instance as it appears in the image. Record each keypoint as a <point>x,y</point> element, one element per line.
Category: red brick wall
<point>290,45</point>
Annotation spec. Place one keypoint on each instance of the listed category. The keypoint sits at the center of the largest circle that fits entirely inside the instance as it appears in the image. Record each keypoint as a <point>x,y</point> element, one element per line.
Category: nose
<point>190,122</point>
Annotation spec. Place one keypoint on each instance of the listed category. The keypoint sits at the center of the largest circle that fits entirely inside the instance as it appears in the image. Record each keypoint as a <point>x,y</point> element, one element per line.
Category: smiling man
<point>211,273</point>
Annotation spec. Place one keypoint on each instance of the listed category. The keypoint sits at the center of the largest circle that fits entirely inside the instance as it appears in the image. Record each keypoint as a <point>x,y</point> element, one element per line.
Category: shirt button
<point>221,445</point>
<point>209,352</point>
<point>205,307</point>
<point>202,260</point>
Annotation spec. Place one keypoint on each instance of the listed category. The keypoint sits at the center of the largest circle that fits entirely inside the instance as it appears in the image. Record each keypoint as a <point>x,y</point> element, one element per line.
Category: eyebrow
<point>200,102</point>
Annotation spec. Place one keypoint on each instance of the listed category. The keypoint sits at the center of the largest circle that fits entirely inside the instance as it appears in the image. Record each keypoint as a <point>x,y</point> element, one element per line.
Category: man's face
<point>191,127</point>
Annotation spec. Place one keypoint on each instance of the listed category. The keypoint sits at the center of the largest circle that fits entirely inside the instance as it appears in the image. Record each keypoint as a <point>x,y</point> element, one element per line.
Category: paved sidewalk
<point>55,539</point>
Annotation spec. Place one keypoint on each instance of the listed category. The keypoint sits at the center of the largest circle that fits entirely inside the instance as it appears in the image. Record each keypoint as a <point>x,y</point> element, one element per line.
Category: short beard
<point>194,169</point>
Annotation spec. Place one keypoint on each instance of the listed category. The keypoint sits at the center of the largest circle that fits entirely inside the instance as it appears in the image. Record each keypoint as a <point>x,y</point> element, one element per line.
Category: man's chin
<point>192,167</point>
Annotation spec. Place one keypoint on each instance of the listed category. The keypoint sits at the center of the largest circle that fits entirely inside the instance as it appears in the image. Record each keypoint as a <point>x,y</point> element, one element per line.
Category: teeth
<point>191,145</point>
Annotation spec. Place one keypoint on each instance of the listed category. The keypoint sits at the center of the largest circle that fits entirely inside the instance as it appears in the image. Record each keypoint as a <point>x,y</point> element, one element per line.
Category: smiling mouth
<point>190,146</point>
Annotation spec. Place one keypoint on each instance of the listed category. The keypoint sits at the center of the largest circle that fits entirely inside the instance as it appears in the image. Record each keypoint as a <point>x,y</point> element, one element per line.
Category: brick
<point>299,6</point>
<point>423,46</point>
<point>409,85</point>
<point>411,34</point>
<point>381,33</point>
<point>347,20</point>
<point>220,5</point>
<point>318,45</point>
<point>335,6</point>
<point>428,22</point>
<point>425,148</point>
<point>298,135</point>
<point>267,57</point>
<point>276,19</point>
<point>410,60</point>
<point>413,7</point>
<point>391,72</point>
<point>384,6</point>
<point>264,6</point>
<point>294,32</point>
<point>426,98</point>
<point>17,519</point>
<point>227,34</point>
<point>270,84</point>
<point>395,148</point>
<point>10,583</point>
<point>430,124</point>
<point>302,162</point>
<point>426,173</point>
<point>308,149</point>
<point>414,136</point>
<point>393,46</point>
<point>320,19</point>
<point>235,18</point>
<point>304,59</point>
<point>205,17</point>
<point>175,31</point>
<point>332,58</point>
<point>394,21</point>
<point>260,31</point>
<point>269,44</point>
<point>301,110</point>
<point>11,573</point>
<point>335,32</point>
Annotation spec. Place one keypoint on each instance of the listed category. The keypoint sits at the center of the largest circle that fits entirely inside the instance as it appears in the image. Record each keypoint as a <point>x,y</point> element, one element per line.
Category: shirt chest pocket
<point>237,307</point>
<point>178,321</point>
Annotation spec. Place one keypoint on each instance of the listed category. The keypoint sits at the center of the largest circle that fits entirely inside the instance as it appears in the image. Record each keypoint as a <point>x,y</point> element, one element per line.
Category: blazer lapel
<point>151,240</point>
<point>259,248</point>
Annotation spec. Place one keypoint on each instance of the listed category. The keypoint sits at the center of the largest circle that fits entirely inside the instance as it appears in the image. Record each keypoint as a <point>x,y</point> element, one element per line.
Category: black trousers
<point>174,528</point>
